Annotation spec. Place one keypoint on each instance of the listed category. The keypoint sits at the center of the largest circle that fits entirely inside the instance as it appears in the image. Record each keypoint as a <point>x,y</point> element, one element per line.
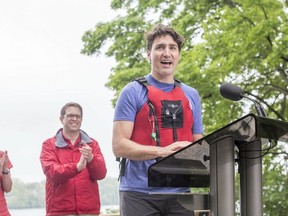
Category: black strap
<point>144,81</point>
<point>122,166</point>
<point>177,82</point>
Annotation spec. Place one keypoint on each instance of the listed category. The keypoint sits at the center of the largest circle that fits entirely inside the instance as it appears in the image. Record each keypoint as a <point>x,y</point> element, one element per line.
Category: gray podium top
<point>189,167</point>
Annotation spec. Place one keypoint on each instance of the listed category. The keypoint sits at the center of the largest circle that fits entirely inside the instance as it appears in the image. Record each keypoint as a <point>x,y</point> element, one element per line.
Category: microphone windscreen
<point>231,92</point>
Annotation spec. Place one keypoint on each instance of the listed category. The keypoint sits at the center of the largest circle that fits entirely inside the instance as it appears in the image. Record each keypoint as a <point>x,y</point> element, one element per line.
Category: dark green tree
<point>239,41</point>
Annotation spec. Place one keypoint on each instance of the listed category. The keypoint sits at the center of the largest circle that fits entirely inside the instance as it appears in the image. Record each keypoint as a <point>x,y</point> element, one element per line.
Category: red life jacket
<point>165,118</point>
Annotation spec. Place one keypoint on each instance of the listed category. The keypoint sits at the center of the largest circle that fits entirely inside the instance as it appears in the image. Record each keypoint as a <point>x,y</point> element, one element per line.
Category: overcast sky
<point>41,69</point>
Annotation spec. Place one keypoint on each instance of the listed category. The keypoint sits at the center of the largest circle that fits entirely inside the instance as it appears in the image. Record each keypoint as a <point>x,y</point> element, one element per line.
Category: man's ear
<point>149,56</point>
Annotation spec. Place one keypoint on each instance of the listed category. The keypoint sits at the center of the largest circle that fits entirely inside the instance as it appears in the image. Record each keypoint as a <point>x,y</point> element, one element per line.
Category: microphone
<point>231,92</point>
<point>235,93</point>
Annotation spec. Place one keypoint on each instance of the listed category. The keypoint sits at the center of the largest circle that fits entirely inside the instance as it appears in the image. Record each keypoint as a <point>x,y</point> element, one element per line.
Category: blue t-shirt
<point>129,103</point>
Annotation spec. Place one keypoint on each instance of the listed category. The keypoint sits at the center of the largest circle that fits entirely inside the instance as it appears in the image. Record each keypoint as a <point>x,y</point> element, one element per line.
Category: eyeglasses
<point>72,116</point>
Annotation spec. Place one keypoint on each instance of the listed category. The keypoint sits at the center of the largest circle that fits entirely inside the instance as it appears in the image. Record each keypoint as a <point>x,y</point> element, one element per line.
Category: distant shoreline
<point>42,211</point>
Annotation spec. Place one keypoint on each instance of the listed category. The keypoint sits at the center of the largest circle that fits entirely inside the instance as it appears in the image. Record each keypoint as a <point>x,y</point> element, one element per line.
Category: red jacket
<point>67,190</point>
<point>3,205</point>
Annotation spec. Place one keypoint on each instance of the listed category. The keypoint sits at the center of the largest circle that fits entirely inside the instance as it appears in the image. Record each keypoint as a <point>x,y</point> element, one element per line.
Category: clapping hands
<point>86,156</point>
<point>3,162</point>
<point>86,151</point>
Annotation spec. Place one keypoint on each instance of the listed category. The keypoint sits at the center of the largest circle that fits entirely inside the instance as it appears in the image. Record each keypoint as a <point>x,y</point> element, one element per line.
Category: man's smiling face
<point>72,119</point>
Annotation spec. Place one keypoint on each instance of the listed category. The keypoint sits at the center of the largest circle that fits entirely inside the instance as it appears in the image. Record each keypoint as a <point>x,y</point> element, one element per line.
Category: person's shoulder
<point>133,88</point>
<point>93,142</point>
<point>187,88</point>
<point>50,140</point>
<point>135,83</point>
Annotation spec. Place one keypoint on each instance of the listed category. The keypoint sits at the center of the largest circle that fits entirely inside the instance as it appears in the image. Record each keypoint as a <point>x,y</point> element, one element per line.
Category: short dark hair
<point>163,30</point>
<point>70,104</point>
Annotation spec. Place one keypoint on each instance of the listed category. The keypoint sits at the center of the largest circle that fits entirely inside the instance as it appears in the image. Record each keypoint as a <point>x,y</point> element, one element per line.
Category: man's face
<point>72,119</point>
<point>164,57</point>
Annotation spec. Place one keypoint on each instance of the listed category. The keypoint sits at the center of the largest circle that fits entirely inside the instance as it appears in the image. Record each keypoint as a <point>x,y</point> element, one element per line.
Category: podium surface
<point>210,162</point>
<point>190,166</point>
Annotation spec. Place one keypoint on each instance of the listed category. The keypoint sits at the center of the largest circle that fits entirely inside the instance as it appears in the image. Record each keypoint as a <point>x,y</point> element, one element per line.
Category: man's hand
<point>86,151</point>
<point>82,163</point>
<point>3,162</point>
<point>170,149</point>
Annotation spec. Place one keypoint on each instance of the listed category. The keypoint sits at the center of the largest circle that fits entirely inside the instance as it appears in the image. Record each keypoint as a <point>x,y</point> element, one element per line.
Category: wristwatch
<point>6,172</point>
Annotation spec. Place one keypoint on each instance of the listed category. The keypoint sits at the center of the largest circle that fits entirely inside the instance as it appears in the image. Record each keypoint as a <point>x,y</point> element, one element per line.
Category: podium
<point>210,163</point>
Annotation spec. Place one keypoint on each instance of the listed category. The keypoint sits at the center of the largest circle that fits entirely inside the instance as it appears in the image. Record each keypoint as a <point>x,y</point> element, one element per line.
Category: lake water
<point>42,212</point>
<point>27,212</point>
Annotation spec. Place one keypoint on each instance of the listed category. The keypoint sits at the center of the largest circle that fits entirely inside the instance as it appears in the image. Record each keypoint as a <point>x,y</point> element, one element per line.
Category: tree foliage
<point>243,42</point>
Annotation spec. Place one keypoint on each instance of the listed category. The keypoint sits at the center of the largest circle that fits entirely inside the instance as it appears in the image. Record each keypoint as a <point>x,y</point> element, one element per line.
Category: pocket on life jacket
<point>172,114</point>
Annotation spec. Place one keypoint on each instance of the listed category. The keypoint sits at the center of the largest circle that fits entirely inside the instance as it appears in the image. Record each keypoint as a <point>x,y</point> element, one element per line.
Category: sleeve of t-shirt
<point>129,102</point>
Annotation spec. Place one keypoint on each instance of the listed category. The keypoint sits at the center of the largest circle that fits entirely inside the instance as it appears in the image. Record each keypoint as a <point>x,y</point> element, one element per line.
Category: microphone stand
<point>250,166</point>
<point>259,109</point>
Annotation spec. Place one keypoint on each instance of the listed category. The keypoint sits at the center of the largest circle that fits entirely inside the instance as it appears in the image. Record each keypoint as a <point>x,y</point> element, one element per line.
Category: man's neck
<point>71,135</point>
<point>163,79</point>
